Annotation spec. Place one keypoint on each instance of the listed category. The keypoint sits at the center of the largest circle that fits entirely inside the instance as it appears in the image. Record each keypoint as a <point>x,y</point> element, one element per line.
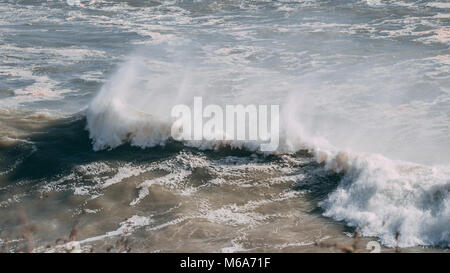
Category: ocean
<point>88,162</point>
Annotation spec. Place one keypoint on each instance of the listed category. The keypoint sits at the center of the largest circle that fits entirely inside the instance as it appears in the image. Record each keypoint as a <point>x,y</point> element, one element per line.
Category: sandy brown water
<point>166,199</point>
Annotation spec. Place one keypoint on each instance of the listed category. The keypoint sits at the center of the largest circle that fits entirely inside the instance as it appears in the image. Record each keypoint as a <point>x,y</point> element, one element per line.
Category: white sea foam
<point>379,195</point>
<point>126,228</point>
<point>172,180</point>
<point>382,197</point>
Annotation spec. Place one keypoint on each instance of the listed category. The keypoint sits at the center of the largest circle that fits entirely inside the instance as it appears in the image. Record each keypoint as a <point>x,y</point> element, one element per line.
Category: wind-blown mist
<point>389,136</point>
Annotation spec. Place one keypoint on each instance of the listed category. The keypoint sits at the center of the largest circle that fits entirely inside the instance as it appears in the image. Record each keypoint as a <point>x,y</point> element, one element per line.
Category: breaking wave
<point>378,195</point>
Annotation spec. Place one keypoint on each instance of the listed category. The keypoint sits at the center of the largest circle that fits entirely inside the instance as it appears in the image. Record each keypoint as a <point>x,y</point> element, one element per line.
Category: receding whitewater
<point>87,162</point>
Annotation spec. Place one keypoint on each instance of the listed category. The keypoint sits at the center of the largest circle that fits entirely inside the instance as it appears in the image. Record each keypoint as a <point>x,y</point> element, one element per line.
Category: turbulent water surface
<point>86,92</point>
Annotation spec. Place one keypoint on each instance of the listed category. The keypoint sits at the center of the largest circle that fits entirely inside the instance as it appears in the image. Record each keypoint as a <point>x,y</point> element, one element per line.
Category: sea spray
<point>377,195</point>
